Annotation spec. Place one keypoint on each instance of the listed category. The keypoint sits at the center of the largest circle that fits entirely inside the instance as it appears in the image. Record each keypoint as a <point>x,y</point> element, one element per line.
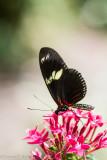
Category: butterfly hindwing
<point>73,87</point>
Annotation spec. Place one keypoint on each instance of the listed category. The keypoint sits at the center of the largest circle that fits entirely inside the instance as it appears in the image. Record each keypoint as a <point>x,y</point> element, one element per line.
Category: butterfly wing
<point>66,86</point>
<point>73,90</point>
<point>73,87</point>
<point>52,68</point>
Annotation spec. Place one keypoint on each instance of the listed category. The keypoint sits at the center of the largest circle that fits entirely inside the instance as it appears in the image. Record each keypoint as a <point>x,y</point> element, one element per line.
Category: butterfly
<point>66,86</point>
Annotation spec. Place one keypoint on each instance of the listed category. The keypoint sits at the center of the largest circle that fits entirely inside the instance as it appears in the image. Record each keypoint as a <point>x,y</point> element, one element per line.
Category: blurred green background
<point>18,18</point>
<point>77,29</point>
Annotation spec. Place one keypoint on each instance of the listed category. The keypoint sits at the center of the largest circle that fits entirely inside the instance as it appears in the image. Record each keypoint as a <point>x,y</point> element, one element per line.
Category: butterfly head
<point>62,109</point>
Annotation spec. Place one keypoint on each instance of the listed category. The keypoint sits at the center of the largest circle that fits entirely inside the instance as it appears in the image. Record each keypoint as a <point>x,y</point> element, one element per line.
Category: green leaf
<point>70,156</point>
<point>53,148</point>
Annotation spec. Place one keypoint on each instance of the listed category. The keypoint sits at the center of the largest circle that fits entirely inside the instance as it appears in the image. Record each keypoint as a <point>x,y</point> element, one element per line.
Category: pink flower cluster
<point>71,135</point>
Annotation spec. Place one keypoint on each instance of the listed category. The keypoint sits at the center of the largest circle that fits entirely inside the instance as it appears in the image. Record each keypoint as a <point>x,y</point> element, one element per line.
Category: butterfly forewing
<point>50,62</point>
<point>52,68</point>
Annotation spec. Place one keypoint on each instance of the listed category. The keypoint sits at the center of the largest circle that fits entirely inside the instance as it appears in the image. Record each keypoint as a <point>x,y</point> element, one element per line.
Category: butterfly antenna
<point>42,101</point>
<point>37,109</point>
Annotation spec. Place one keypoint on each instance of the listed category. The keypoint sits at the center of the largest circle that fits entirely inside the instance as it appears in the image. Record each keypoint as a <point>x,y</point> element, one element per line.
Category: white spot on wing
<point>50,78</point>
<point>47,57</point>
<point>47,81</point>
<point>42,60</point>
<point>58,74</point>
<point>53,74</point>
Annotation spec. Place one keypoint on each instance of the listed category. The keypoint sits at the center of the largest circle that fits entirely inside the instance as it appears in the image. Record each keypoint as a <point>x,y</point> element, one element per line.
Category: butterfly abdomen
<point>83,107</point>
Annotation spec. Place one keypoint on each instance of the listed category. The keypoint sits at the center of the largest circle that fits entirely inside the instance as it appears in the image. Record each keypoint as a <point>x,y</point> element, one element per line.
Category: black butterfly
<point>65,85</point>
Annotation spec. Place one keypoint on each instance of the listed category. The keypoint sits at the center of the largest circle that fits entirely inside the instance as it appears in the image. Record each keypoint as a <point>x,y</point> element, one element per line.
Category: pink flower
<point>72,134</point>
<point>78,146</point>
<point>36,155</point>
<point>36,137</point>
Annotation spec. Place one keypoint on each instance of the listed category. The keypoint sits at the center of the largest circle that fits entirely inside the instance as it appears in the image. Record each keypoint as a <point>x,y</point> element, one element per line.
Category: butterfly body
<point>65,85</point>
